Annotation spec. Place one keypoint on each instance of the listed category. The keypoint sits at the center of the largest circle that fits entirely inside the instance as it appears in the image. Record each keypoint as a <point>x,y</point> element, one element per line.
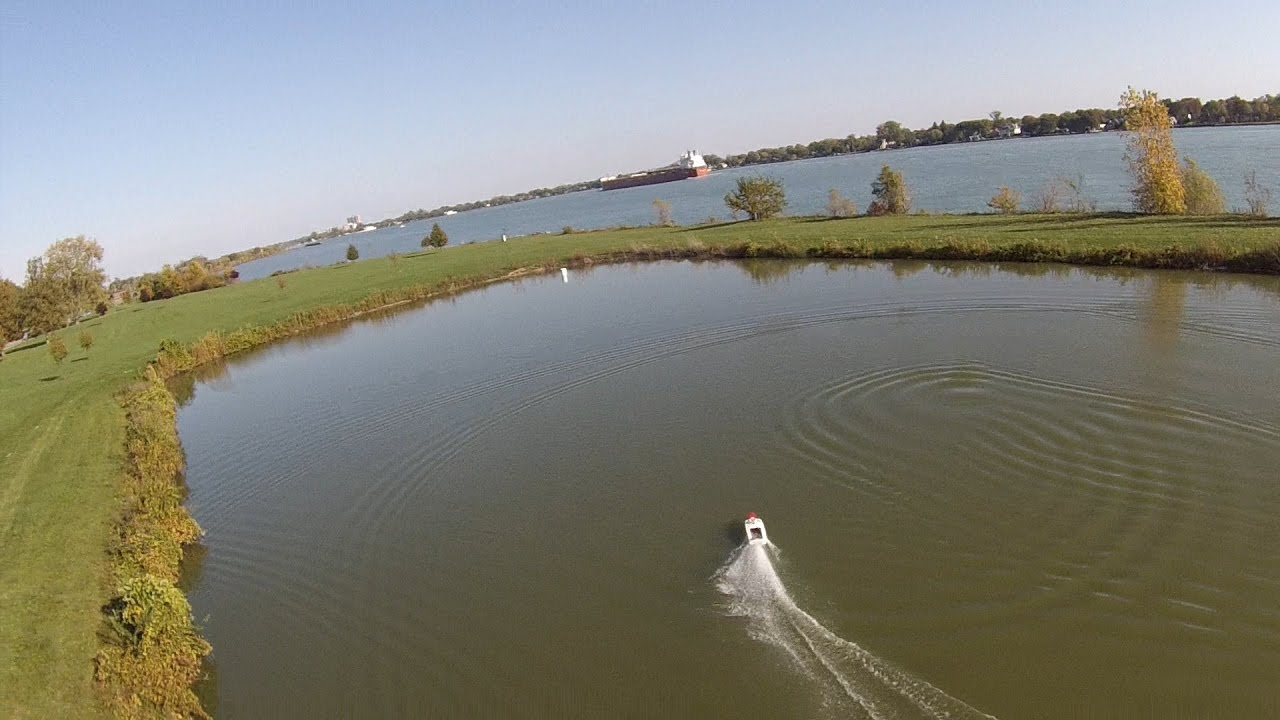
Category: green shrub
<point>1203,196</point>
<point>174,357</point>
<point>57,349</point>
<point>436,238</point>
<point>759,197</point>
<point>352,253</point>
<point>892,197</point>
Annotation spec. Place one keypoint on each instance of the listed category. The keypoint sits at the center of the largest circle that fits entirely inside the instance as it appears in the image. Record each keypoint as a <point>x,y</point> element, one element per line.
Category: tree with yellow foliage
<point>1152,159</point>
<point>1006,201</point>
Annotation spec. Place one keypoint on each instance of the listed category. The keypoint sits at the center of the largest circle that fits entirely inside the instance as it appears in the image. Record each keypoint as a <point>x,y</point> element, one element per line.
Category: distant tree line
<point>1187,112</point>
<point>244,256</point>
<point>420,214</point>
<point>1161,185</point>
<point>494,201</point>
<point>189,276</point>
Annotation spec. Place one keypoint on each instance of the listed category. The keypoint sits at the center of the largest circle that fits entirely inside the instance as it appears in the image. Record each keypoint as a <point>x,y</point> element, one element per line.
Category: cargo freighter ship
<point>690,165</point>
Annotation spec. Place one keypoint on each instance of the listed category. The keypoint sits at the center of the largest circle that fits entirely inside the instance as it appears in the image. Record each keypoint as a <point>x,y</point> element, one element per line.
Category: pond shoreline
<point>200,328</point>
<point>174,360</point>
<point>610,317</point>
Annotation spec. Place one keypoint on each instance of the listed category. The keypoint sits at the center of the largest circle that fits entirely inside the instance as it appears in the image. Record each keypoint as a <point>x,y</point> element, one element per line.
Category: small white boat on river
<point>755,529</point>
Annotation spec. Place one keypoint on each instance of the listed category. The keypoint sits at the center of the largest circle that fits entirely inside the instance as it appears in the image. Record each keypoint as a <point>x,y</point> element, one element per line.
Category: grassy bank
<point>63,428</point>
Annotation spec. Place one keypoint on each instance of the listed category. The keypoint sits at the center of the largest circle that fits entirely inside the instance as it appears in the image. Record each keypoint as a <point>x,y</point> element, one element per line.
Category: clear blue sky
<point>170,129</point>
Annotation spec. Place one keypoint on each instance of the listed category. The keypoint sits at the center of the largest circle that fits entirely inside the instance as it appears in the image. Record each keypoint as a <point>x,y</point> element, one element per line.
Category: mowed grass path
<point>61,430</point>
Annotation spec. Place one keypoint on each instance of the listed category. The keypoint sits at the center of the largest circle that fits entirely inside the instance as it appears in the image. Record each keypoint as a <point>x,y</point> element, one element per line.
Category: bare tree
<point>839,206</point>
<point>1006,201</point>
<point>663,209</point>
<point>1256,195</point>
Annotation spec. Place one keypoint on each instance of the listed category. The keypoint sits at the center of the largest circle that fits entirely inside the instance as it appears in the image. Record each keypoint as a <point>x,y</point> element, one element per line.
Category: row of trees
<point>1233,110</point>
<point>1189,111</point>
<point>421,214</point>
<point>58,348</point>
<point>760,197</point>
<point>64,284</point>
<point>493,201</point>
<point>1184,112</point>
<point>191,275</point>
<point>67,282</point>
<point>187,277</point>
<point>1162,185</point>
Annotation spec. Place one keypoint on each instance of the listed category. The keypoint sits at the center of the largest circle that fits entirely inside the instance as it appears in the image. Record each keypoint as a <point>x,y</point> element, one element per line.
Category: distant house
<point>1010,130</point>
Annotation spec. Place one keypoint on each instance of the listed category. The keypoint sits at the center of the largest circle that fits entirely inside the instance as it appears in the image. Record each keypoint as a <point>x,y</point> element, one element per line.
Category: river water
<point>957,178</point>
<point>1017,491</point>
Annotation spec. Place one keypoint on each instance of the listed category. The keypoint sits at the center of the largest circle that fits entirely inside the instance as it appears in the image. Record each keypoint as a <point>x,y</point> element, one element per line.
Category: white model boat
<point>755,529</point>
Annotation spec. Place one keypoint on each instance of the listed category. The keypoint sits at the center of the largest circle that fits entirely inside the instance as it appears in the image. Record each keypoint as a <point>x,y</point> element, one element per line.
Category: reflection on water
<point>1030,490</point>
<point>901,269</point>
<point>765,271</point>
<point>1168,296</point>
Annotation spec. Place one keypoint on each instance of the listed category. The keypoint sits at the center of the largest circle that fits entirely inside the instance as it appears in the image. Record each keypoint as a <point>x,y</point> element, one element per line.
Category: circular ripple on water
<point>508,396</point>
<point>1108,486</point>
<point>1082,495</point>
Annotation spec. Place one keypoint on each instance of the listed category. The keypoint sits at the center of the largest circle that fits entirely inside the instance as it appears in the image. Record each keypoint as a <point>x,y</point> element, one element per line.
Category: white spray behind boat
<point>848,680</point>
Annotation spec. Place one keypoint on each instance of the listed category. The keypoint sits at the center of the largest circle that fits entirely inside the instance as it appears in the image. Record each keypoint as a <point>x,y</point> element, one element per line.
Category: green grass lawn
<point>61,430</point>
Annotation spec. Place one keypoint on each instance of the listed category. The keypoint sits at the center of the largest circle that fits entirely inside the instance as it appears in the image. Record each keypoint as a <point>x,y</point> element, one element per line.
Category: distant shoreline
<point>539,193</point>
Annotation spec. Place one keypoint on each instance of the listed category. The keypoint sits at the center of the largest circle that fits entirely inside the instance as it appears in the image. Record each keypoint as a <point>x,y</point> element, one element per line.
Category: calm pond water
<point>1022,491</point>
<point>955,178</point>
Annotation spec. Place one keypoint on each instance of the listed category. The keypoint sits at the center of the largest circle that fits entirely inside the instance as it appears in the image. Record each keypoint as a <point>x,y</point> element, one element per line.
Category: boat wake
<point>852,682</point>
